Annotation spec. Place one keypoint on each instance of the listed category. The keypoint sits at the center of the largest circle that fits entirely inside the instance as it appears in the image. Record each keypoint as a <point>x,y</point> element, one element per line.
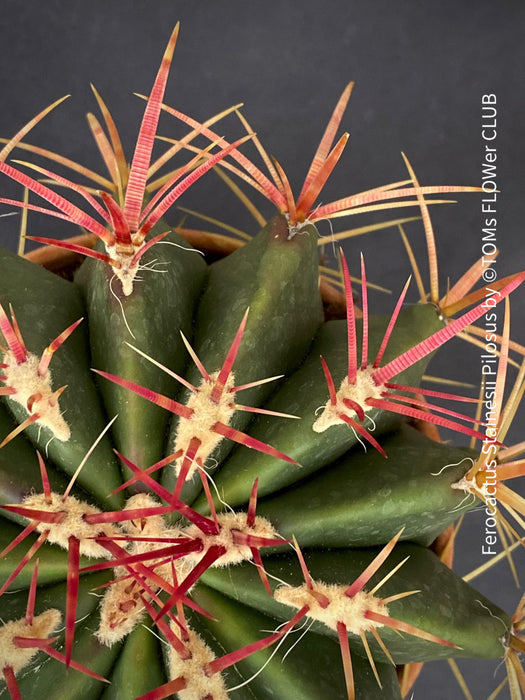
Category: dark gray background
<point>420,70</point>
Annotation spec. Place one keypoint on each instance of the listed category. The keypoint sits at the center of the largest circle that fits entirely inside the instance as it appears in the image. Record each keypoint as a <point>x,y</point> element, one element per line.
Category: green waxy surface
<point>53,595</point>
<point>45,305</point>
<point>19,468</point>
<point>445,606</point>
<point>151,318</point>
<point>139,667</point>
<point>277,279</point>
<point>303,394</point>
<point>313,669</point>
<point>364,499</point>
<point>455,613</point>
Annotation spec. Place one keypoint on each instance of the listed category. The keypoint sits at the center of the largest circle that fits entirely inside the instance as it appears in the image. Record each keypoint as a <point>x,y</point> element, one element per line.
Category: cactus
<point>207,489</point>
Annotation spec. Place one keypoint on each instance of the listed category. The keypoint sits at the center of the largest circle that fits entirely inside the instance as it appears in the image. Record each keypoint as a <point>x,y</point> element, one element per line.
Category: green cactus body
<point>457,613</point>
<point>44,306</point>
<point>19,467</point>
<point>315,666</point>
<point>338,506</point>
<point>276,279</point>
<point>357,502</point>
<point>154,329</point>
<point>154,572</point>
<point>302,395</point>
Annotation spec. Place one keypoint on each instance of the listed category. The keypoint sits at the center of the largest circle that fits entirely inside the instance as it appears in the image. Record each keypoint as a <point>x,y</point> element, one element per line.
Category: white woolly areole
<point>341,608</point>
<point>73,523</point>
<point>363,389</point>
<point>465,485</point>
<point>198,684</point>
<point>123,269</point>
<point>24,378</point>
<point>296,229</point>
<point>235,553</point>
<point>479,484</point>
<point>121,609</point>
<point>205,414</point>
<point>42,627</point>
<point>150,526</point>
<point>472,487</point>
